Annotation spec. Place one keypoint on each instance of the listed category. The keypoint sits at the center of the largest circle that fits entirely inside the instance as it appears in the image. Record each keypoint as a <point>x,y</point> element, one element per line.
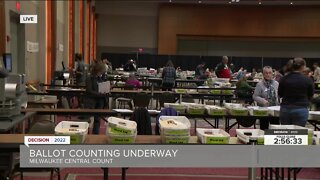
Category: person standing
<point>168,76</point>
<point>266,94</point>
<point>95,99</point>
<point>79,70</point>
<point>222,70</point>
<point>296,91</point>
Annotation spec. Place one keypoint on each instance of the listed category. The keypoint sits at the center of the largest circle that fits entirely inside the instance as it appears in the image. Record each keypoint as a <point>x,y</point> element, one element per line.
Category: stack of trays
<point>258,111</point>
<point>310,131</point>
<point>215,110</point>
<point>180,91</point>
<point>193,108</point>
<point>203,89</point>
<point>215,91</point>
<point>245,135</point>
<point>274,110</point>
<point>76,130</point>
<point>316,137</point>
<point>236,109</point>
<point>174,129</point>
<point>314,115</point>
<point>121,131</point>
<point>227,92</point>
<point>181,108</point>
<point>213,136</point>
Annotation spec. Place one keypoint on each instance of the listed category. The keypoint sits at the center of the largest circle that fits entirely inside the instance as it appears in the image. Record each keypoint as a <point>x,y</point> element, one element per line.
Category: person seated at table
<point>130,66</point>
<point>133,81</point>
<point>168,77</point>
<point>95,99</point>
<point>222,70</point>
<point>243,89</point>
<point>266,94</point>
<point>200,70</point>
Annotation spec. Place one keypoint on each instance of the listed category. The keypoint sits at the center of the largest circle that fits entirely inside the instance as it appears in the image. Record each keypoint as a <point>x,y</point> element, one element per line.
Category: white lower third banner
<point>168,156</point>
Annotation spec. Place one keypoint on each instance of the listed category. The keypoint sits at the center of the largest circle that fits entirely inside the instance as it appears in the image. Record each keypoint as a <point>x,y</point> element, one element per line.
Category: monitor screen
<point>7,61</point>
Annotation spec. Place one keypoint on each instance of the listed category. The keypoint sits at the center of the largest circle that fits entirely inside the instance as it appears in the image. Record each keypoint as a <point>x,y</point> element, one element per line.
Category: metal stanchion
<point>252,172</point>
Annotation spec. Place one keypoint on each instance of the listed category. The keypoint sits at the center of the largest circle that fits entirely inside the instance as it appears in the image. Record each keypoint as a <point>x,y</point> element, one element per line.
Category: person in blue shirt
<point>296,91</point>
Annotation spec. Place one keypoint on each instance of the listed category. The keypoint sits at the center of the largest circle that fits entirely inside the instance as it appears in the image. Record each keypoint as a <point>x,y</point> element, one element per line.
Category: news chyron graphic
<point>46,140</point>
<point>28,19</point>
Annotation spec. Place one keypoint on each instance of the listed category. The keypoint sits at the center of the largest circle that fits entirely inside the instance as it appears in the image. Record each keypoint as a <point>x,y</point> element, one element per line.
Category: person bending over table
<point>266,94</point>
<point>296,91</point>
<point>95,99</point>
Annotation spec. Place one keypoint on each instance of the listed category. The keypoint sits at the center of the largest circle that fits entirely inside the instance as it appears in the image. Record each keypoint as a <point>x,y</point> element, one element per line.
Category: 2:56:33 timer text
<point>287,140</point>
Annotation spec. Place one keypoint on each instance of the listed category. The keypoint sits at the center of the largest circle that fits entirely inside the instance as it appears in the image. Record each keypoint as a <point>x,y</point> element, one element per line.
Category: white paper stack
<point>215,110</point>
<point>316,137</point>
<point>245,135</point>
<point>274,110</point>
<point>236,109</point>
<point>174,129</point>
<point>76,130</point>
<point>181,108</point>
<point>258,111</point>
<point>212,136</point>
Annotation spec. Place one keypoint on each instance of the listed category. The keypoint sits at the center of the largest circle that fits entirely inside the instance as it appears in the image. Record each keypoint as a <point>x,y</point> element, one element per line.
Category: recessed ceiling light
<point>229,2</point>
<point>291,3</point>
<point>170,1</point>
<point>199,1</point>
<point>260,2</point>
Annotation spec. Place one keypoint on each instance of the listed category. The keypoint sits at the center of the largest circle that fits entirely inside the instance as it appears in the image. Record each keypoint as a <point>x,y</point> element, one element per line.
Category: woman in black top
<point>95,100</point>
<point>296,91</point>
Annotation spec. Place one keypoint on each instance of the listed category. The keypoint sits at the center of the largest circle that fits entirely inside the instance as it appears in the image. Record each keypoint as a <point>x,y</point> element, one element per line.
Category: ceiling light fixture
<point>291,3</point>
<point>199,1</point>
<point>229,2</point>
<point>260,2</point>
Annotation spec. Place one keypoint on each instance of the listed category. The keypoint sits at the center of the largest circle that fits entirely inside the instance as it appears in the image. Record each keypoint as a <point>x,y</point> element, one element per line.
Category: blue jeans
<point>96,122</point>
<point>294,116</point>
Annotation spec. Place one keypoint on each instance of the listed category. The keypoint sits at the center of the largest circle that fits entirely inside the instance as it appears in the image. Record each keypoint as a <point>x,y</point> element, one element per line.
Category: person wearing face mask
<point>296,91</point>
<point>95,99</point>
<point>266,93</point>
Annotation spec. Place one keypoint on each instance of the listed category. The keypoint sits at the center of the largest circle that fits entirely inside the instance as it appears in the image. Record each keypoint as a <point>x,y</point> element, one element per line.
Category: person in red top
<point>222,70</point>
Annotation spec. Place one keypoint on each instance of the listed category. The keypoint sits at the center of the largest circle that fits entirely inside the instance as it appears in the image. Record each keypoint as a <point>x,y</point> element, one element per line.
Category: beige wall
<point>32,33</point>
<point>124,27</point>
<point>35,63</point>
<point>62,34</point>
<point>76,26</point>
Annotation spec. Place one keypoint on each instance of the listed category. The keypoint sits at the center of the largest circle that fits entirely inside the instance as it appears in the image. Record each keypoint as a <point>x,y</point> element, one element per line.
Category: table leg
<point>152,92</point>
<point>252,173</point>
<point>295,171</point>
<point>261,173</point>
<point>277,173</point>
<point>105,173</point>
